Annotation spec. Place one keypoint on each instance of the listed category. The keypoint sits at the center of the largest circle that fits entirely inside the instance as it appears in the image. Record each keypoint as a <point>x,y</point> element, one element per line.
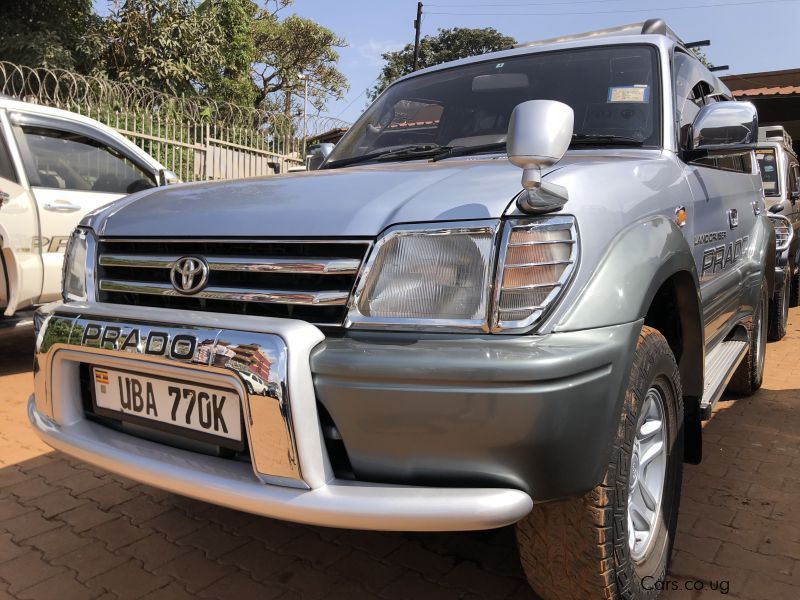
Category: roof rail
<point>649,27</point>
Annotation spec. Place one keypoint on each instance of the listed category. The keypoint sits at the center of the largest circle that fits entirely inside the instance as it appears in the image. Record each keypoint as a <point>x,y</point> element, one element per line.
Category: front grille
<point>295,279</point>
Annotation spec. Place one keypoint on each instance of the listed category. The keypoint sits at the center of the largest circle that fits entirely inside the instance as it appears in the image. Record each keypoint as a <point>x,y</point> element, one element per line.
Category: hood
<point>351,202</point>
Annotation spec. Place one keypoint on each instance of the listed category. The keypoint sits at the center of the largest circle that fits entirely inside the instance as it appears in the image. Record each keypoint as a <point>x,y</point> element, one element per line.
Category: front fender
<point>639,260</point>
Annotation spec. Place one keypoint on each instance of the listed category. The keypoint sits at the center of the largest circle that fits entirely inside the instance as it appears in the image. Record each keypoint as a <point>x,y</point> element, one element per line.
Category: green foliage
<point>446,45</point>
<point>231,80</point>
<point>237,51</point>
<point>286,48</point>
<point>48,33</point>
<point>702,57</point>
<point>164,44</point>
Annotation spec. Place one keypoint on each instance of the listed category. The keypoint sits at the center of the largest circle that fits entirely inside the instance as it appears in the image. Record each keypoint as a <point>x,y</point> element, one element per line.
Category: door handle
<point>62,206</point>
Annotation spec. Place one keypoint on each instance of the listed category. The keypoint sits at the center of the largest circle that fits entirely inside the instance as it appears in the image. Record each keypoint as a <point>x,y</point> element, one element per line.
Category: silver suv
<point>441,346</point>
<point>781,179</point>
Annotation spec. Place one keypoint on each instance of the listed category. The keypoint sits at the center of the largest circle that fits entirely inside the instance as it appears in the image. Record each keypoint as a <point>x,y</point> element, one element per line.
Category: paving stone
<point>194,571</point>
<point>128,581</point>
<point>171,591</point>
<point>108,495</point>
<point>154,550</point>
<point>237,586</point>
<point>213,540</point>
<point>85,517</point>
<point>117,533</point>
<point>27,570</point>
<point>90,560</point>
<point>57,542</point>
<point>28,525</point>
<point>141,508</point>
<point>174,524</point>
<point>262,564</point>
<point>60,587</point>
<point>56,502</point>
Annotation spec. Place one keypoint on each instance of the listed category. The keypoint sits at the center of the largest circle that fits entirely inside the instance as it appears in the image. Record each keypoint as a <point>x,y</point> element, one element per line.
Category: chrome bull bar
<point>284,435</point>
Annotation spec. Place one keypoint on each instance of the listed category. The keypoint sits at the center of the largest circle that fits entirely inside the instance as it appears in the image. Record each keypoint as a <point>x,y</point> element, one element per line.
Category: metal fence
<point>196,137</point>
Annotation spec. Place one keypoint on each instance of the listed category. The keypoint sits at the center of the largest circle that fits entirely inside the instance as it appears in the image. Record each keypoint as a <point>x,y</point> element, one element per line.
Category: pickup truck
<point>509,295</point>
<point>55,167</point>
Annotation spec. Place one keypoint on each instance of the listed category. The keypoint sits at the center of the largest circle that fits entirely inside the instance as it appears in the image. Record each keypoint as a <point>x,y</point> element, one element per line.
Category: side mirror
<point>167,177</point>
<point>793,196</point>
<point>317,156</point>
<point>539,133</point>
<point>776,208</point>
<point>724,125</point>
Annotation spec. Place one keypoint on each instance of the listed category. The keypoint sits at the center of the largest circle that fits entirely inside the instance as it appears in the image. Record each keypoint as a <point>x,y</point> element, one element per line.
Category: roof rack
<point>649,27</point>
<point>774,133</point>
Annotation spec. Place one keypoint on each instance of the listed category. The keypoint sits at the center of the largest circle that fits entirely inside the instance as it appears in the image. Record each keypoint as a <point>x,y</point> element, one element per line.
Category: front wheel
<point>615,541</point>
<point>750,373</point>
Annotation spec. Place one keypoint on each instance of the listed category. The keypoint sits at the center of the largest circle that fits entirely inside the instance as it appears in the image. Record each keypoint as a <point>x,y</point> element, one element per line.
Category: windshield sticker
<point>629,93</point>
<point>770,185</point>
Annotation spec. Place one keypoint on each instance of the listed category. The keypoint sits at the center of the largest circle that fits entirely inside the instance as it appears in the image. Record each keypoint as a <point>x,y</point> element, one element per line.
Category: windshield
<point>769,171</point>
<point>614,91</point>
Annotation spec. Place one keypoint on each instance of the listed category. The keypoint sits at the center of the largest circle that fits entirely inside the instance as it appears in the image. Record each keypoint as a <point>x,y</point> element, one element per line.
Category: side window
<point>6,166</point>
<point>68,161</point>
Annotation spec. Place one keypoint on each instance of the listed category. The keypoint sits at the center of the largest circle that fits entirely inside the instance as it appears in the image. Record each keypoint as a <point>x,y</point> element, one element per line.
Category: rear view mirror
<point>317,156</point>
<point>499,81</point>
<point>724,125</point>
<point>539,133</point>
<point>167,177</point>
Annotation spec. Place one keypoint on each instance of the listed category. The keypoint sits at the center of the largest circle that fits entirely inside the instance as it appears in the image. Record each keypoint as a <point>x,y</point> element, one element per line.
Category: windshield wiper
<point>591,139</point>
<point>411,151</point>
<point>465,150</point>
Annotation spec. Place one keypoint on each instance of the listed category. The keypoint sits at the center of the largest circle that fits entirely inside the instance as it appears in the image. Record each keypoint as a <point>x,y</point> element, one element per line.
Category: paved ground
<point>70,531</point>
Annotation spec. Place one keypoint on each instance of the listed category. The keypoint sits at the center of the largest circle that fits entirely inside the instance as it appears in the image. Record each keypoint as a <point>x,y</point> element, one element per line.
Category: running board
<point>721,363</point>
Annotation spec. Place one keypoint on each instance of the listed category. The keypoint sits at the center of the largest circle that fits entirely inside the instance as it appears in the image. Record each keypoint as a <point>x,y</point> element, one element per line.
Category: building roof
<point>768,83</point>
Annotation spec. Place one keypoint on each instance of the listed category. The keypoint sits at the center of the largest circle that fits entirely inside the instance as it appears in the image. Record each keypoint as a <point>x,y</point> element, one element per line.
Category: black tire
<point>750,373</point>
<point>794,295</point>
<point>578,547</point>
<point>779,310</point>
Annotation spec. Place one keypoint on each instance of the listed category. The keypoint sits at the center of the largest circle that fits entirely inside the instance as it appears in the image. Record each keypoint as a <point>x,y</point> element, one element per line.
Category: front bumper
<point>290,477</point>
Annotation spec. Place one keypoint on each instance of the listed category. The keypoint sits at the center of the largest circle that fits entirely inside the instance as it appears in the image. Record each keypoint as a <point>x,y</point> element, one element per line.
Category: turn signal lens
<point>539,257</point>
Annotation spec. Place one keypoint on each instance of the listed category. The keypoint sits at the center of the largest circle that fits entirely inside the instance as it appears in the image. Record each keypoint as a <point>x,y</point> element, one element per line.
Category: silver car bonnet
<point>355,201</point>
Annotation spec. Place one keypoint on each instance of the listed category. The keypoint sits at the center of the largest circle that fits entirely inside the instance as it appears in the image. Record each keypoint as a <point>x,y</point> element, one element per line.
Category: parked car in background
<point>780,177</point>
<point>444,345</point>
<point>55,167</point>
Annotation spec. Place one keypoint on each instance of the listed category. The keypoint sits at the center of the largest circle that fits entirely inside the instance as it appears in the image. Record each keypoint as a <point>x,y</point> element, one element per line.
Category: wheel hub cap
<point>646,476</point>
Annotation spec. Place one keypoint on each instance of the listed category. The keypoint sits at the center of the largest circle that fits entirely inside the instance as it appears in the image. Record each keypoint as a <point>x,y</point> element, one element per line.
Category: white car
<point>55,167</point>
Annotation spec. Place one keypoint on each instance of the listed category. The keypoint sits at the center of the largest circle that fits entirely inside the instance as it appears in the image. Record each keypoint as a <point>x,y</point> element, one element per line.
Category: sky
<point>748,35</point>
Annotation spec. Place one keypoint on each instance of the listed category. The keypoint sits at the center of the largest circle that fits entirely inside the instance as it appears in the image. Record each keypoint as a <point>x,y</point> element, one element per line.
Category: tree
<point>446,45</point>
<point>288,48</point>
<point>164,44</point>
<point>48,33</point>
<point>231,81</point>
<point>701,56</point>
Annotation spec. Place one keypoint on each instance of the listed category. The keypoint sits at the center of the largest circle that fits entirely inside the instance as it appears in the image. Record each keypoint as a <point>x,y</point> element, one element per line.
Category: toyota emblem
<point>189,274</point>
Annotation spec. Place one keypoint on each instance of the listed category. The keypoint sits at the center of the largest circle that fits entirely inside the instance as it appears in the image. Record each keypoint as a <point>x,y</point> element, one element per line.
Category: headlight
<point>78,266</point>
<point>442,276</point>
<point>432,277</point>
<point>538,256</point>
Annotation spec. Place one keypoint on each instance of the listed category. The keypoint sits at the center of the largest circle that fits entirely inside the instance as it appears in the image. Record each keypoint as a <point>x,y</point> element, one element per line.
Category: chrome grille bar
<point>309,298</point>
<point>310,266</point>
